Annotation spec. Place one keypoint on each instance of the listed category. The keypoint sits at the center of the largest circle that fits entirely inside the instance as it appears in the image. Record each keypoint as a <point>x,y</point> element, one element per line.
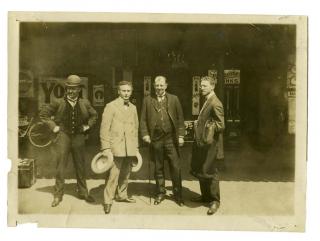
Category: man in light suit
<point>208,146</point>
<point>162,126</point>
<point>73,117</point>
<point>119,136</point>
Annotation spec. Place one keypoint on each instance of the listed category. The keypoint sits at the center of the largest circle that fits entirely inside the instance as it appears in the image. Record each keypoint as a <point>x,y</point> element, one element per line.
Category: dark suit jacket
<point>204,156</point>
<point>57,107</point>
<point>149,114</point>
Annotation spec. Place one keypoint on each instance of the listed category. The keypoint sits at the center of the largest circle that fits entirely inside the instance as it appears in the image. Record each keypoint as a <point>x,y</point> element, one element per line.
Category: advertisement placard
<point>52,88</point>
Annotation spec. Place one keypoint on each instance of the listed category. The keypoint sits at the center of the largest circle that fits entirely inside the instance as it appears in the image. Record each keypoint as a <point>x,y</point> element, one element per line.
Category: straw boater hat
<point>136,163</point>
<point>73,81</point>
<point>101,163</point>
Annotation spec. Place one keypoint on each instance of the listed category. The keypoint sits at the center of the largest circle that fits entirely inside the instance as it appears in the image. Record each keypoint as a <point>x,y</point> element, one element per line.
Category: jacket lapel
<point>81,105</point>
<point>169,104</point>
<point>131,108</point>
<point>206,104</point>
<point>154,103</point>
<point>120,107</point>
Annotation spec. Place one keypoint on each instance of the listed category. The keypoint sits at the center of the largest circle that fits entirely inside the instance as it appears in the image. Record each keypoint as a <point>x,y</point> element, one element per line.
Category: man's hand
<point>181,141</point>
<point>106,152</point>
<point>147,139</point>
<point>85,128</point>
<point>56,129</point>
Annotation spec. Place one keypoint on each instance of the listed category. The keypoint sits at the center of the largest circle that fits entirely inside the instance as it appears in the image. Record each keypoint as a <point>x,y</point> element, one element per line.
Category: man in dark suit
<point>73,117</point>
<point>208,146</point>
<point>162,126</point>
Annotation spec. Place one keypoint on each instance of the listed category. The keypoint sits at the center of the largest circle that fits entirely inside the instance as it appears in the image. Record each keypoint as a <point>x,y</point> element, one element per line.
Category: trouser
<point>209,186</point>
<point>166,149</point>
<point>117,180</point>
<point>62,147</point>
<point>210,189</point>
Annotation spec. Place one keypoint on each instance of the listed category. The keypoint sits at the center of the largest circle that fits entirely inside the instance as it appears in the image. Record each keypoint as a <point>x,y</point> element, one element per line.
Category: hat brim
<point>101,163</point>
<point>137,163</point>
<point>74,85</point>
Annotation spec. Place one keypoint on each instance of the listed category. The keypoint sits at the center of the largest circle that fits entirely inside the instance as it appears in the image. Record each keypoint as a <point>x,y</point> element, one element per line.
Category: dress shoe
<point>158,199</point>
<point>214,206</point>
<point>179,201</point>
<point>126,200</point>
<point>56,201</point>
<point>107,208</point>
<point>87,198</point>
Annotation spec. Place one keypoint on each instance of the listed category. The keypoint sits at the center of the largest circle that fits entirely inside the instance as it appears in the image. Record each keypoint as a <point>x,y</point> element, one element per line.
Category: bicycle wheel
<point>40,135</point>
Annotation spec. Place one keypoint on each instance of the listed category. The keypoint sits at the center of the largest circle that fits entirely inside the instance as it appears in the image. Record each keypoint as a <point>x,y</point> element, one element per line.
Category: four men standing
<point>161,126</point>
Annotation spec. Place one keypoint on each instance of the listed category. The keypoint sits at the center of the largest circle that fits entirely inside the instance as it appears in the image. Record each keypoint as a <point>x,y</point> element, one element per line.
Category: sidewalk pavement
<point>237,198</point>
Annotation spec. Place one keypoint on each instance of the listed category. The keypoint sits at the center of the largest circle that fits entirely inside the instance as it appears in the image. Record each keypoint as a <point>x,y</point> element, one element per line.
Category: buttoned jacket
<point>119,128</point>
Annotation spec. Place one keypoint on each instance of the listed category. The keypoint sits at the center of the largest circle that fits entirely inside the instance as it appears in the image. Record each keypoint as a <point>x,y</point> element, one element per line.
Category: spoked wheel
<point>40,135</point>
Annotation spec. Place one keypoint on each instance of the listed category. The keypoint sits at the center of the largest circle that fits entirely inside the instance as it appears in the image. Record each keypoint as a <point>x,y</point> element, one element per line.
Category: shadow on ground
<point>144,192</point>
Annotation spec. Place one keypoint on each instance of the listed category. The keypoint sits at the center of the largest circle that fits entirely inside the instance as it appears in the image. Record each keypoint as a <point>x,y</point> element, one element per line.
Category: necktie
<point>160,98</point>
<point>72,102</point>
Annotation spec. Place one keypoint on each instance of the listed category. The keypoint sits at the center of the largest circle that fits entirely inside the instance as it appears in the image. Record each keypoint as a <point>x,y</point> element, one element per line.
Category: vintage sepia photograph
<point>163,121</point>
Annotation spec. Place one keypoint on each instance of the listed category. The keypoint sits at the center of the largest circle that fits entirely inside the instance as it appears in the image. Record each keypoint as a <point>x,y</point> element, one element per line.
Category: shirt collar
<point>161,96</point>
<point>122,101</point>
<point>209,95</point>
<point>72,100</point>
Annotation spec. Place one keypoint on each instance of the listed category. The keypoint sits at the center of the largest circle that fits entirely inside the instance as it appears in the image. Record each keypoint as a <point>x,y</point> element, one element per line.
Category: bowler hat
<point>101,163</point>
<point>136,162</point>
<point>73,81</point>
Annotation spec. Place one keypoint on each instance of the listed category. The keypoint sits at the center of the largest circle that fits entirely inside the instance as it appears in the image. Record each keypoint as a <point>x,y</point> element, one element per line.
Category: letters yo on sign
<point>51,88</point>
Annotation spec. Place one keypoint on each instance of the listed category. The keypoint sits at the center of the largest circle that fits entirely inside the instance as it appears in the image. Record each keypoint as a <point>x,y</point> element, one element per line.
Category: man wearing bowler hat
<point>73,117</point>
<point>119,137</point>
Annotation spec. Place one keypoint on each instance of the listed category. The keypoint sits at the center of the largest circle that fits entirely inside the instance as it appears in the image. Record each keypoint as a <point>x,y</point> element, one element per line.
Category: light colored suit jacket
<point>119,128</point>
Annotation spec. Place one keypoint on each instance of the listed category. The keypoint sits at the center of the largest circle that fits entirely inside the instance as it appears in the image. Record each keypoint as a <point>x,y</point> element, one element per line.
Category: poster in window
<point>98,95</point>
<point>26,84</point>
<point>195,95</point>
<point>147,85</point>
<point>53,88</point>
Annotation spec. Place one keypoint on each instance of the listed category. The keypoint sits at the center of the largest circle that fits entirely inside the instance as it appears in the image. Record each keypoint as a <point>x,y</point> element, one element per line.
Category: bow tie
<point>126,103</point>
